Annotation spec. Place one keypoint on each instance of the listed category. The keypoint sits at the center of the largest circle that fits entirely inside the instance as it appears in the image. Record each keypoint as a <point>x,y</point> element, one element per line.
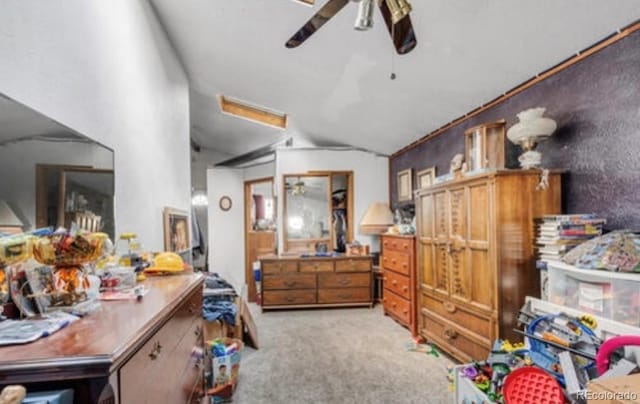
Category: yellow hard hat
<point>166,262</point>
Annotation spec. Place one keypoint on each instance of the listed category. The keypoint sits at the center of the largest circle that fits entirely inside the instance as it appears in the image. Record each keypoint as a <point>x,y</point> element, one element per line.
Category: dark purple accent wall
<point>596,103</point>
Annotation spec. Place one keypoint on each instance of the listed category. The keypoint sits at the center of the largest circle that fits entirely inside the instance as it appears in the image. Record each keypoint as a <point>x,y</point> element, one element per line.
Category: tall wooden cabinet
<point>475,257</point>
<point>399,279</point>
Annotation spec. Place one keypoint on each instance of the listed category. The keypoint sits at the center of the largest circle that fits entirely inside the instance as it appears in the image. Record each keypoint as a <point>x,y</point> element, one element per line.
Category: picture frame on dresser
<point>405,186</point>
<point>176,230</point>
<point>425,178</point>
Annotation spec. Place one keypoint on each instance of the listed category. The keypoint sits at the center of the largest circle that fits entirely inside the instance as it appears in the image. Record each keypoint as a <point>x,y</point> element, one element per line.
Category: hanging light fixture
<point>399,9</point>
<point>364,20</point>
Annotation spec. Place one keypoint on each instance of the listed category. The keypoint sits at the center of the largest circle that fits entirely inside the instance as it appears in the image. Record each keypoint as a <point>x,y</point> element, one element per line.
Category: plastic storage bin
<point>467,392</point>
<point>612,295</point>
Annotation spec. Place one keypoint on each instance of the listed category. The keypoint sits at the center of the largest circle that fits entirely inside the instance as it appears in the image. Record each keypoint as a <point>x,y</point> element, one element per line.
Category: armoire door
<point>441,242</point>
<point>483,294</point>
<point>425,243</point>
<point>457,246</point>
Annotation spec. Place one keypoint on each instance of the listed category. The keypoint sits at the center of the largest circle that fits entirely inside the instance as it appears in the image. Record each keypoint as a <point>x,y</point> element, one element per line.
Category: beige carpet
<point>337,356</point>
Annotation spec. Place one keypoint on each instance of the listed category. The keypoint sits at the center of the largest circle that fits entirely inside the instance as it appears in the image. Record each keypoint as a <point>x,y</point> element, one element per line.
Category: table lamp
<point>376,221</point>
<point>532,128</point>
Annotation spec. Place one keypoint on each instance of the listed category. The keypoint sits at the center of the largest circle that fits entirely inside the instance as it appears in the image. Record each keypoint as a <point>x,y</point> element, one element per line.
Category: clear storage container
<point>613,295</point>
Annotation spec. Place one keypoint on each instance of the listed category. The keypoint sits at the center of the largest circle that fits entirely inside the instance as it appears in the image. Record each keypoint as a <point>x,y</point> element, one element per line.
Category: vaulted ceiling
<point>336,86</point>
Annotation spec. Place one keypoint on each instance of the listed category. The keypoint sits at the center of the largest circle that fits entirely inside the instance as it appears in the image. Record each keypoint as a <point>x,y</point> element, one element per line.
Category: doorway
<point>259,226</point>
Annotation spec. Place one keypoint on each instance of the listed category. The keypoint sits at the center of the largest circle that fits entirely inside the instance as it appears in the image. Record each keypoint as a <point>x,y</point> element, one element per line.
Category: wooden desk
<point>128,352</point>
<point>297,282</point>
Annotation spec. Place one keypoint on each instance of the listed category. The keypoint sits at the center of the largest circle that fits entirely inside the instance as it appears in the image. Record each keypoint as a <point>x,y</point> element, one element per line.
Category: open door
<point>260,226</point>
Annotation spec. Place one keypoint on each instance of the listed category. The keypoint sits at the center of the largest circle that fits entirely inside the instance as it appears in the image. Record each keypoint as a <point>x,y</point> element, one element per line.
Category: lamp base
<point>530,159</point>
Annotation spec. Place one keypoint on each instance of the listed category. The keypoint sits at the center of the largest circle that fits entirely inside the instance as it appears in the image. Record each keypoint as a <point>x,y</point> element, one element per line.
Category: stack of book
<point>557,234</point>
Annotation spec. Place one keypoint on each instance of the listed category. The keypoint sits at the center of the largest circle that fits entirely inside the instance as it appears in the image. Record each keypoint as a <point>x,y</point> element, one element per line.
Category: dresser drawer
<point>161,361</point>
<point>397,261</point>
<point>344,295</point>
<point>353,265</point>
<point>397,244</point>
<point>276,267</point>
<point>449,337</point>
<point>398,284</point>
<point>289,281</point>
<point>473,322</point>
<point>292,297</point>
<point>397,306</point>
<point>316,266</point>
<point>344,280</point>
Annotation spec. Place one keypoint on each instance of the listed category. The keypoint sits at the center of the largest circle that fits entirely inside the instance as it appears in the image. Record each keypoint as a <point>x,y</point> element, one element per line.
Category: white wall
<point>370,179</point>
<point>18,167</point>
<point>260,171</point>
<point>226,228</point>
<point>107,70</point>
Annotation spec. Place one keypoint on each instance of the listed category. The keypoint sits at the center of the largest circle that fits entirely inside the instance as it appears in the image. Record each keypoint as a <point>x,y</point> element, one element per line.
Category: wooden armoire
<point>475,256</point>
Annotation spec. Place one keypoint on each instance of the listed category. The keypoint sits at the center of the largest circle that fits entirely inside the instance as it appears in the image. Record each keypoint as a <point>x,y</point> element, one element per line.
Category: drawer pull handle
<point>394,304</point>
<point>451,308</point>
<point>384,278</point>
<point>393,261</point>
<point>450,333</point>
<point>157,348</point>
<point>344,282</point>
<point>394,282</point>
<point>406,289</point>
<point>290,284</point>
<point>193,307</point>
<point>345,296</point>
<point>198,331</point>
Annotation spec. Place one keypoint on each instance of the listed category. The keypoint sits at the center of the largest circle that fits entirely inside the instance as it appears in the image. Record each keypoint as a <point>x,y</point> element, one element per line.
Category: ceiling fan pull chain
<point>393,64</point>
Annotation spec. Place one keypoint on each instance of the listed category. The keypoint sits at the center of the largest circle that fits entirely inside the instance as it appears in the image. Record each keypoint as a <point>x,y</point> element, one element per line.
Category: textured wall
<point>596,103</point>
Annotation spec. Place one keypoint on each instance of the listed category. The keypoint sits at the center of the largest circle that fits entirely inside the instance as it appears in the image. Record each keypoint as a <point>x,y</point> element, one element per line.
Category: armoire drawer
<point>398,284</point>
<point>473,322</point>
<point>397,244</point>
<point>344,280</point>
<point>276,267</point>
<point>344,295</point>
<point>396,305</point>
<point>453,339</point>
<point>353,265</point>
<point>396,261</point>
<point>316,266</point>
<point>286,297</point>
<point>289,281</point>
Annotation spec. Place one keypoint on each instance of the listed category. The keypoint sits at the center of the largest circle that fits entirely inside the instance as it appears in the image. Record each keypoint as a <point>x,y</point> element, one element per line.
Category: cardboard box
<point>615,390</point>
<point>220,329</point>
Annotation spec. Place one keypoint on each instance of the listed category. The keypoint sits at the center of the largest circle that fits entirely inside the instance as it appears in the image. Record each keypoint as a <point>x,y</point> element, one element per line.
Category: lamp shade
<point>376,219</point>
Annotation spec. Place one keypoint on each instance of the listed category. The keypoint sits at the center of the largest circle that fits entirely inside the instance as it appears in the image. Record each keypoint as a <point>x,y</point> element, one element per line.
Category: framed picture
<point>425,178</point>
<point>176,230</point>
<point>405,186</point>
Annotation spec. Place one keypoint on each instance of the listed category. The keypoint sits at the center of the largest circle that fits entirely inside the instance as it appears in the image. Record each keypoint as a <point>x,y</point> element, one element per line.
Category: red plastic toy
<point>531,385</point>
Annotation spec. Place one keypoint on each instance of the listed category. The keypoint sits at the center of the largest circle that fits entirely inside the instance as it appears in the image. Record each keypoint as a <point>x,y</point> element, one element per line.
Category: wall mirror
<point>318,210</point>
<point>53,175</point>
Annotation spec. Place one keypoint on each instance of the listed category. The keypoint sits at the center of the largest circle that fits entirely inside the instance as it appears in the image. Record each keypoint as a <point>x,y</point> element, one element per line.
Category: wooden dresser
<point>128,352</point>
<point>295,282</point>
<point>398,265</point>
<point>475,257</point>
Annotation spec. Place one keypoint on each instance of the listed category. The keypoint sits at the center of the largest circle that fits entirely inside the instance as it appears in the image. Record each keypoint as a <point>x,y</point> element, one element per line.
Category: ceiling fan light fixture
<point>364,20</point>
<point>399,9</point>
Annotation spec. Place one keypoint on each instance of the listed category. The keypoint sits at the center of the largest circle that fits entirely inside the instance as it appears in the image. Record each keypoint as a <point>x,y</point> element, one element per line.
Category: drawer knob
<point>394,282</point>
<point>344,282</point>
<point>393,261</point>
<point>198,331</point>
<point>193,307</point>
<point>451,333</point>
<point>405,289</point>
<point>155,352</point>
<point>450,307</point>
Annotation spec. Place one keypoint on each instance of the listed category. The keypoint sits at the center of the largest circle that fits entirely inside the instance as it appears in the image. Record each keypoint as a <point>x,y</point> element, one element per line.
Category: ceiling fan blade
<point>403,36</point>
<point>323,15</point>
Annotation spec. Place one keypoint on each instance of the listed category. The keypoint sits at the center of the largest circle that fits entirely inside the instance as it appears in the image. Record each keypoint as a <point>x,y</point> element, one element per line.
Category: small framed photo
<point>425,178</point>
<point>405,186</point>
<point>176,230</point>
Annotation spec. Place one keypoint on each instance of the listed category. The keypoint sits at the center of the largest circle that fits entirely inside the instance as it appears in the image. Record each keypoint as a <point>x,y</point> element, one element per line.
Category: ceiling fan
<point>394,12</point>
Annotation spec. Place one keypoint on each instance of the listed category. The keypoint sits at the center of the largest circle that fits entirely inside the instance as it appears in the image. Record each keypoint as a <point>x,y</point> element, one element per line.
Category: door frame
<point>248,269</point>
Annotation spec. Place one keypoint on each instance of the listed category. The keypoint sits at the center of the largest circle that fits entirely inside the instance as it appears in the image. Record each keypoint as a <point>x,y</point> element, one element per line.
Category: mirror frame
<point>350,207</point>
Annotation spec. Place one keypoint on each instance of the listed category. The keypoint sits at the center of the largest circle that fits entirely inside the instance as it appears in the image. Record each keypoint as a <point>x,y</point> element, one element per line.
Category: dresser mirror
<point>51,174</point>
<point>318,211</point>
